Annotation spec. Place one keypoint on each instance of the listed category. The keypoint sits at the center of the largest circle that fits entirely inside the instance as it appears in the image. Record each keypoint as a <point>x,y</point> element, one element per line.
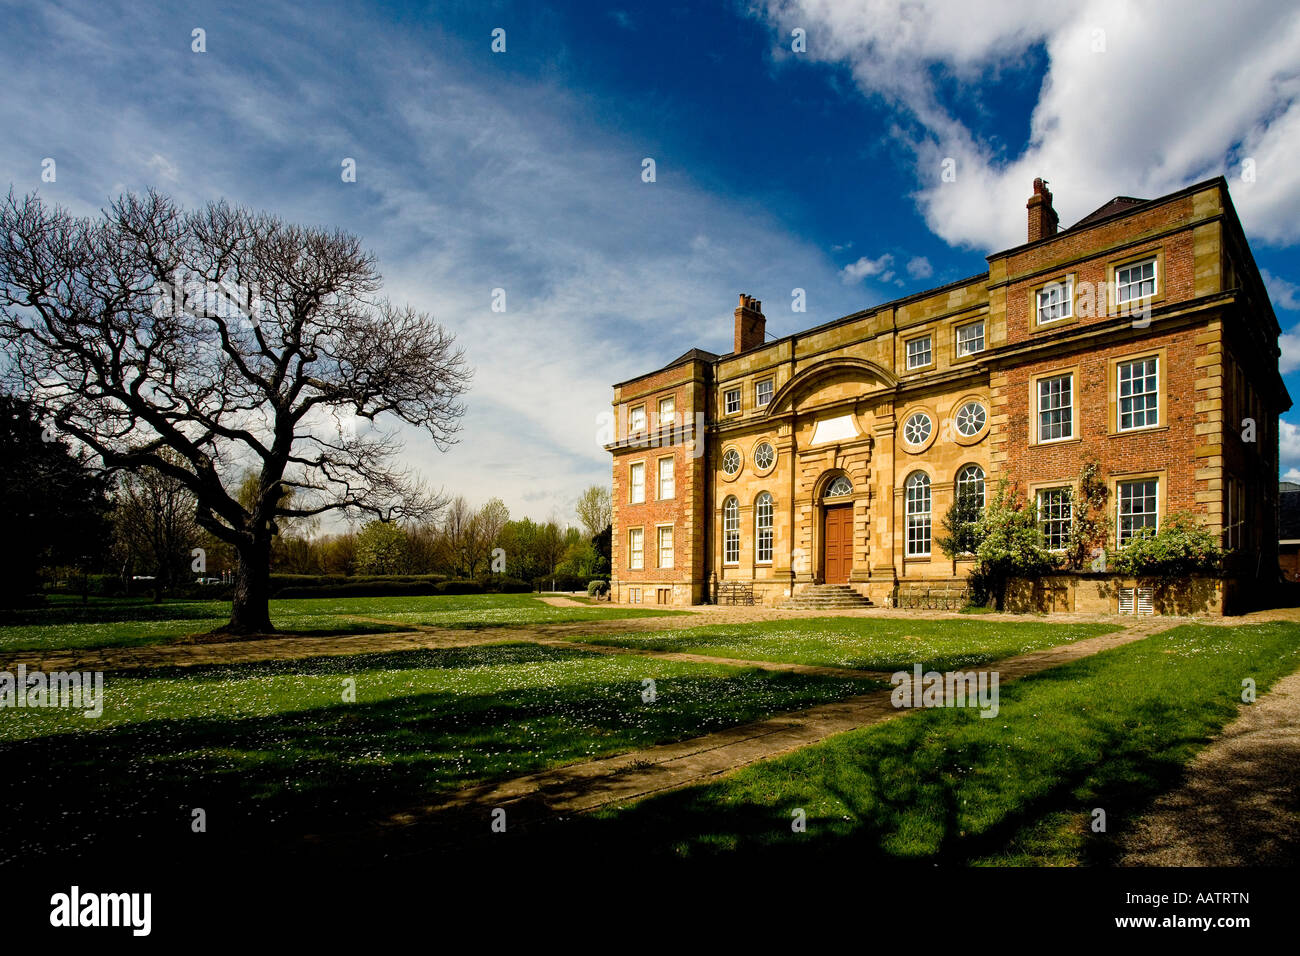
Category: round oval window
<point>970,419</point>
<point>731,461</point>
<point>917,429</point>
<point>764,456</point>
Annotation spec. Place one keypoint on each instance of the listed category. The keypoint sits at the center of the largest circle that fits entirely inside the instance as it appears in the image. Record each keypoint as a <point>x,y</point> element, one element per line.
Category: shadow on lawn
<point>265,781</point>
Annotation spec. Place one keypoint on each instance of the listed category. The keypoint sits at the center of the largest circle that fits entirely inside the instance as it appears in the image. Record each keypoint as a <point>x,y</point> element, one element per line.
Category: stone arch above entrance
<point>872,377</point>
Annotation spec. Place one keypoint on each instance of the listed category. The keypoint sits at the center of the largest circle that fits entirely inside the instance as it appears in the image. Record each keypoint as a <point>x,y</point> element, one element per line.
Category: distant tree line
<point>73,523</point>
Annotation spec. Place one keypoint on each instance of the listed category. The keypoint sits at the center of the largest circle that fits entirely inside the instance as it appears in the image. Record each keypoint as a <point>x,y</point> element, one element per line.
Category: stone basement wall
<point>1099,594</point>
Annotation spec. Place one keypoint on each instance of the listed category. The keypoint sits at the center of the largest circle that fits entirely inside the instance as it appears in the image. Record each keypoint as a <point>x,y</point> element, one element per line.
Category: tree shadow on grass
<point>266,780</point>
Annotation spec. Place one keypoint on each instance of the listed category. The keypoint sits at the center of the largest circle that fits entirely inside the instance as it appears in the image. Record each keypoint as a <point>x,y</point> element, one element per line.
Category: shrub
<point>461,587</point>
<point>511,586</point>
<point>597,588</point>
<point>1010,546</point>
<point>1179,549</point>
<point>559,582</point>
<point>106,585</point>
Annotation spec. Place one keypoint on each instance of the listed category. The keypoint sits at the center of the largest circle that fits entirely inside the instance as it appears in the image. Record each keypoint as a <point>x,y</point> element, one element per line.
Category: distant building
<point>1142,336</point>
<point>1288,529</point>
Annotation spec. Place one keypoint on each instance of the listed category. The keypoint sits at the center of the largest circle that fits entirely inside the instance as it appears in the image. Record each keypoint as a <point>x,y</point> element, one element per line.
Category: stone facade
<point>1141,338</point>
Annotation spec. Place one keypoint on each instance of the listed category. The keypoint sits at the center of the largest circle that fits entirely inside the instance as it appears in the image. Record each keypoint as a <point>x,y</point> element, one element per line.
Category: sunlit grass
<point>866,643</point>
<point>1110,731</point>
<point>119,623</point>
<point>275,743</point>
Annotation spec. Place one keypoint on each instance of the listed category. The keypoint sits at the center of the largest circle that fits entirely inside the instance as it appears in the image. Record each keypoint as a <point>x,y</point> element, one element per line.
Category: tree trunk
<point>251,611</point>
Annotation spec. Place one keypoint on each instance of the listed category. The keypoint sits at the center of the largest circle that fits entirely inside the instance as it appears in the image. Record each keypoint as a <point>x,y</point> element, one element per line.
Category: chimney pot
<point>751,325</point>
<point>1042,217</point>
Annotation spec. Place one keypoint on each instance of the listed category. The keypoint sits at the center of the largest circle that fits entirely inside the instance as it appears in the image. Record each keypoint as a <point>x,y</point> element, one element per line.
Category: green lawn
<point>867,643</point>
<point>946,785</point>
<point>67,623</point>
<point>271,748</point>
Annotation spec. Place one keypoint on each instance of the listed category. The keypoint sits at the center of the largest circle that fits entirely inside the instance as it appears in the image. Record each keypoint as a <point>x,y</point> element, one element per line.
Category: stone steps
<point>826,596</point>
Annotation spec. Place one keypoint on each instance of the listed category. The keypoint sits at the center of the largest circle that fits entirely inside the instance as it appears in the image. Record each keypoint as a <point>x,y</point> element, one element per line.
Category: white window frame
<point>1039,411</point>
<point>964,349</point>
<point>670,418</point>
<point>1154,263</point>
<point>929,428</point>
<point>1065,302</point>
<point>731,530</point>
<point>665,554</point>
<point>1064,522</point>
<point>764,519</point>
<point>636,489</point>
<point>1120,538</point>
<point>636,419</point>
<point>667,485</point>
<point>966,476</point>
<point>1147,412</point>
<point>915,352</point>
<point>918,520</point>
<point>759,400</point>
<point>740,462</point>
<point>984,415</point>
<point>636,549</point>
<point>727,403</point>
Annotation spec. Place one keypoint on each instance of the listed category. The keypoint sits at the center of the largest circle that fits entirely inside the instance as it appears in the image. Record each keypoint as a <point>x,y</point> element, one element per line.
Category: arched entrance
<point>837,530</point>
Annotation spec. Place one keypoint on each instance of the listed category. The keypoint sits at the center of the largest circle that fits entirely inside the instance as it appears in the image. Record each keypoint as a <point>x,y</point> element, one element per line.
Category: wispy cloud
<point>1141,98</point>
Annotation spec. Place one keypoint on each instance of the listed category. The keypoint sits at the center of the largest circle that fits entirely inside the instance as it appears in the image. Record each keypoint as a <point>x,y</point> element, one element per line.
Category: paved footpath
<point>1239,804</point>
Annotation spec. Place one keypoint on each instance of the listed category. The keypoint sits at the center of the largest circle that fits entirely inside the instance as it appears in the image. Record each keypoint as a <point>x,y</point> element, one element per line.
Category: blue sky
<point>775,169</point>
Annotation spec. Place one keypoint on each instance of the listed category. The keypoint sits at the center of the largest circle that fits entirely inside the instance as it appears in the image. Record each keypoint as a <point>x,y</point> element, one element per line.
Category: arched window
<point>839,487</point>
<point>917,489</point>
<point>763,527</point>
<point>970,484</point>
<point>731,531</point>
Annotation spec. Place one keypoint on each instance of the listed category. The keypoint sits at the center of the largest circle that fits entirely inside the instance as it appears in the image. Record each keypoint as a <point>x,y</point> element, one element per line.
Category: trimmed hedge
<point>559,582</point>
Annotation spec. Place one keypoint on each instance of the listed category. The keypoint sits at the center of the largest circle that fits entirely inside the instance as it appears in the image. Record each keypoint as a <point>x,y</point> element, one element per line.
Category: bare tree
<point>490,521</point>
<point>594,509</point>
<point>236,340</point>
<point>156,519</point>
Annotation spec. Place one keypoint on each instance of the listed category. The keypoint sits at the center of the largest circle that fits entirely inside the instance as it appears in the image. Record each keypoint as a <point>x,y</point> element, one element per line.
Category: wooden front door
<point>837,544</point>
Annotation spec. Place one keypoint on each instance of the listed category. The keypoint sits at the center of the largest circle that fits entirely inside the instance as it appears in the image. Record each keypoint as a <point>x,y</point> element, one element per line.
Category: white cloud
<point>1285,295</point>
<point>866,267</point>
<point>1179,92</point>
<point>918,267</point>
<point>516,186</point>
<point>1288,439</point>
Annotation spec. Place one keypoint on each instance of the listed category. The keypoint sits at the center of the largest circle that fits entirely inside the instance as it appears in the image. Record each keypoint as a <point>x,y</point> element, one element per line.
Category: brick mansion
<point>1140,338</point>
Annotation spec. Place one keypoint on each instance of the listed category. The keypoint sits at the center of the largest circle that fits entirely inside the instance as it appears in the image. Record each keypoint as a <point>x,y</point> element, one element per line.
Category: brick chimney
<point>1042,217</point>
<point>750,324</point>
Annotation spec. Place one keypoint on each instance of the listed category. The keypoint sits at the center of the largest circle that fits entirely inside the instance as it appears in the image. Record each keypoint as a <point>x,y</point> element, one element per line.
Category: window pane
<point>638,483</point>
<point>764,392</point>
<point>1055,516</point>
<point>1139,402</point>
<point>665,547</point>
<point>667,484</point>
<point>918,515</point>
<point>1137,508</point>
<point>1055,408</point>
<point>637,555</point>
<point>918,352</point>
<point>970,484</point>
<point>763,526</point>
<point>731,531</point>
<point>970,338</point>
